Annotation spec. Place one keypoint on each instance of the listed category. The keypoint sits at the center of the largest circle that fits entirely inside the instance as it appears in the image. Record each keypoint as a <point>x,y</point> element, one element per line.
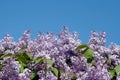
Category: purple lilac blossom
<point>61,50</point>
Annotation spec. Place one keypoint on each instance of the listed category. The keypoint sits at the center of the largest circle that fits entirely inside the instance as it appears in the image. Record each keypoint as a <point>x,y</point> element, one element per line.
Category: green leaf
<point>38,60</point>
<point>34,74</point>
<point>1,53</point>
<point>74,77</point>
<point>27,56</point>
<point>24,47</point>
<point>1,65</point>
<point>61,71</point>
<point>54,71</point>
<point>81,46</point>
<point>49,62</point>
<point>21,58</point>
<point>90,60</point>
<point>21,67</point>
<point>117,69</point>
<point>112,72</point>
<point>88,53</point>
<point>6,55</point>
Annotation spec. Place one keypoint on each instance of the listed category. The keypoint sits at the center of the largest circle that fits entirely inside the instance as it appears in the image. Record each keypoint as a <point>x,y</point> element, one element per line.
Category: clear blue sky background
<point>51,15</point>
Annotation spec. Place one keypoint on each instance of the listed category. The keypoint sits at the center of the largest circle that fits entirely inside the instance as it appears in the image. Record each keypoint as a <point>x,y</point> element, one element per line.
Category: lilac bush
<point>59,57</point>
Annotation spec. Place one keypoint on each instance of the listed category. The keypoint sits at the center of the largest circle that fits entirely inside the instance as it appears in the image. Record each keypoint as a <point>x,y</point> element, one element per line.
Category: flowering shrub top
<point>59,57</point>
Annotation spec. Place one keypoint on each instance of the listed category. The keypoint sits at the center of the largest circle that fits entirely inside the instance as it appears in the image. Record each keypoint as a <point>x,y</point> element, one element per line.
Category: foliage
<point>59,57</point>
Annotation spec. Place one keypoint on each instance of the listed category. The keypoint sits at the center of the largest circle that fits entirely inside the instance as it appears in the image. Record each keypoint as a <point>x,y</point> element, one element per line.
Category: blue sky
<point>81,16</point>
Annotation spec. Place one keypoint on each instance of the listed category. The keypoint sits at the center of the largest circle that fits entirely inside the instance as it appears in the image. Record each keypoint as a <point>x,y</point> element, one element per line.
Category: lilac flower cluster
<point>66,62</point>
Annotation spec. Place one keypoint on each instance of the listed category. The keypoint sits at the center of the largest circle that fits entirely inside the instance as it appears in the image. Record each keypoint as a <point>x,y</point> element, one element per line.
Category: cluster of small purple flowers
<point>70,63</point>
